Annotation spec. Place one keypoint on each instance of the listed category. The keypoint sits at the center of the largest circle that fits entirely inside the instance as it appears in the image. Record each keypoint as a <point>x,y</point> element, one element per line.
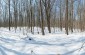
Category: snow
<point>12,43</point>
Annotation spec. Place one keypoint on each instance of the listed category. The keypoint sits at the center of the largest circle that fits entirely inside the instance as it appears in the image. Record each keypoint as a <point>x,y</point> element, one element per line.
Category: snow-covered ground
<point>12,43</point>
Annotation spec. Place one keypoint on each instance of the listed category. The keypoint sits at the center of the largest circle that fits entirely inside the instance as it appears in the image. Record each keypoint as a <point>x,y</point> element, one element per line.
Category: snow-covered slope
<point>12,43</point>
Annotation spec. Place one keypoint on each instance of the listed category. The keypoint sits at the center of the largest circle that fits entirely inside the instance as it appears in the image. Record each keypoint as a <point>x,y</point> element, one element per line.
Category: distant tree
<point>66,18</point>
<point>42,21</point>
<point>60,15</point>
<point>31,16</point>
<point>15,13</point>
<point>9,13</point>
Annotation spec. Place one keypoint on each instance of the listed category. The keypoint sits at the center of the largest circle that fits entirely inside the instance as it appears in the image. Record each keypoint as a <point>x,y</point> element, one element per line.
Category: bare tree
<point>66,18</point>
<point>9,13</point>
<point>42,21</point>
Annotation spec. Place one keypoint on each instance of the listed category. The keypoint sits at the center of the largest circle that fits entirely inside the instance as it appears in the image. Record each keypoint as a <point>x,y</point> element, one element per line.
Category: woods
<point>68,14</point>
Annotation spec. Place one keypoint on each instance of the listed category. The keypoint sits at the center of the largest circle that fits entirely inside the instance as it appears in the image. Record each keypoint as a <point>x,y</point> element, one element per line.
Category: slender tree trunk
<point>9,15</point>
<point>60,17</point>
<point>72,16</point>
<point>66,18</point>
<point>42,22</point>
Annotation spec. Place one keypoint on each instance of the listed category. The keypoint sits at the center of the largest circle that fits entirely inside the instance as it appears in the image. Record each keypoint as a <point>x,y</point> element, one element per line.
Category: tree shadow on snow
<point>7,40</point>
<point>4,49</point>
<point>81,39</point>
<point>33,41</point>
<point>70,52</point>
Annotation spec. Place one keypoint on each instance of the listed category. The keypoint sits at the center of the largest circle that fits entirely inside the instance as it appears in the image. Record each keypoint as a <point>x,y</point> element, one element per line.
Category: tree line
<point>68,14</point>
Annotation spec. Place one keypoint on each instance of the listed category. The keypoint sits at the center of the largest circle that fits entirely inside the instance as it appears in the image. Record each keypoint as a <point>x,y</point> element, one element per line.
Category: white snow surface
<point>58,43</point>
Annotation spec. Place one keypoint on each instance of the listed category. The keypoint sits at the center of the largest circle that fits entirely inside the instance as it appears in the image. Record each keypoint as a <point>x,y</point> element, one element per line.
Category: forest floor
<point>12,43</point>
